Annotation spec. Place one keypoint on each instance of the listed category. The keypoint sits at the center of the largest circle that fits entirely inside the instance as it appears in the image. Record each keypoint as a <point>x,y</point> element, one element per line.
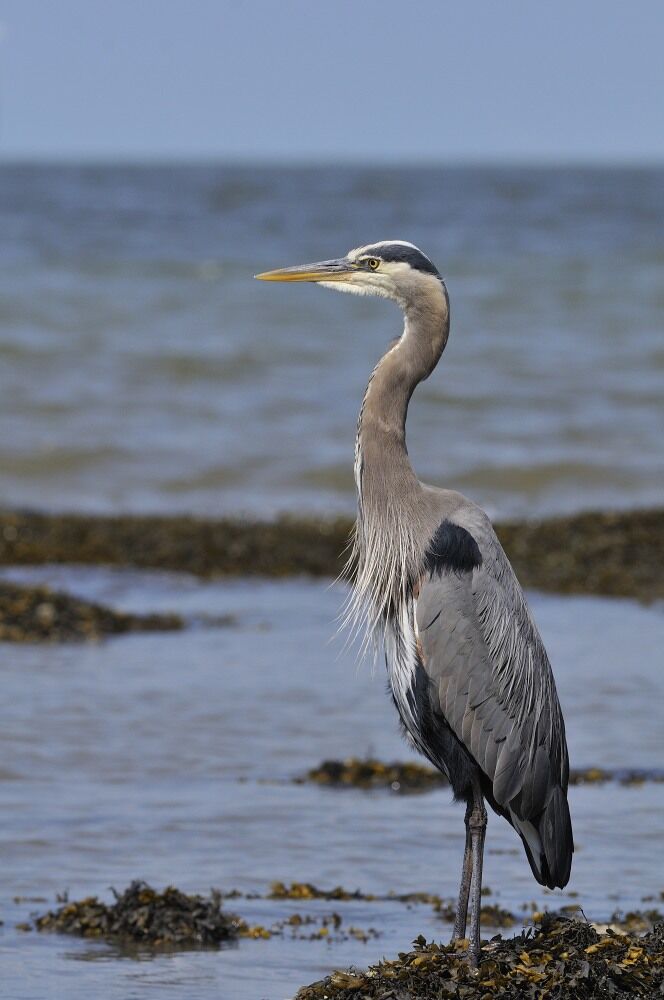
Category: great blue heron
<point>468,671</point>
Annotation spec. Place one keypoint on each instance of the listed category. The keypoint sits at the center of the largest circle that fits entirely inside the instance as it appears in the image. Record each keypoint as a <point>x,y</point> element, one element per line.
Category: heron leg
<point>477,825</point>
<point>461,915</point>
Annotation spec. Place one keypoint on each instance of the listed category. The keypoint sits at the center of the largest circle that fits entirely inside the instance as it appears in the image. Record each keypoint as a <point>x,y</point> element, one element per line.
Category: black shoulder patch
<point>452,548</point>
<point>398,253</point>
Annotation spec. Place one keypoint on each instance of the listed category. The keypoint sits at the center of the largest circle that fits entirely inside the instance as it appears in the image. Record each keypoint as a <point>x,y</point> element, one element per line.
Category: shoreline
<point>554,952</point>
<point>610,553</point>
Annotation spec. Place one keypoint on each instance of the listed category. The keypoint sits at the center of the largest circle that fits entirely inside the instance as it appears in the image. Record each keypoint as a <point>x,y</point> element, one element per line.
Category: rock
<point>143,916</point>
<point>561,958</point>
<point>620,553</point>
<point>37,614</point>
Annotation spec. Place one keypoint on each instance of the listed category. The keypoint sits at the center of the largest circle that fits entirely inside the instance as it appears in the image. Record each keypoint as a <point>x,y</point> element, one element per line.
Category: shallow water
<point>142,368</point>
<point>170,758</point>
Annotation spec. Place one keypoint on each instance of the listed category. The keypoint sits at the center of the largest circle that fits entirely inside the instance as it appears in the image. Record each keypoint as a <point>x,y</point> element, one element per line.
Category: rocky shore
<point>561,958</point>
<point>409,777</point>
<point>39,614</point>
<point>557,955</point>
<point>617,553</point>
<point>142,916</point>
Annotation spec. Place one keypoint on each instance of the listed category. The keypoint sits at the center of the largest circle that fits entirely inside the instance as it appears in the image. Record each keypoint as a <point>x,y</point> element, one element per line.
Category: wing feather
<point>491,679</point>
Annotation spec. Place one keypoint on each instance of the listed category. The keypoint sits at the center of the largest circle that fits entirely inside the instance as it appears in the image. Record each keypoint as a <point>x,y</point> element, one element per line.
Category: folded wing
<point>490,678</point>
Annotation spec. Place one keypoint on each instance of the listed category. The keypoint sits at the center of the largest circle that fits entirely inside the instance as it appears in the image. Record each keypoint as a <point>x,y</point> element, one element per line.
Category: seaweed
<point>305,890</point>
<point>38,614</point>
<point>144,917</point>
<point>403,777</point>
<point>619,553</point>
<point>408,777</point>
<point>560,958</point>
<point>308,927</point>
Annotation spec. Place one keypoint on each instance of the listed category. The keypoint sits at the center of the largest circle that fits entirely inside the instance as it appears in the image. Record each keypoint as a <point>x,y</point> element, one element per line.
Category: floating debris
<point>408,778</point>
<point>308,927</point>
<point>619,553</point>
<point>305,890</point>
<point>143,916</point>
<point>38,614</point>
<point>493,915</point>
<point>561,958</point>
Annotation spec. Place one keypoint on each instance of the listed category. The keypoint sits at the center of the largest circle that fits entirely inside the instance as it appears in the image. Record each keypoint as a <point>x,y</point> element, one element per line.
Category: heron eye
<point>373,263</point>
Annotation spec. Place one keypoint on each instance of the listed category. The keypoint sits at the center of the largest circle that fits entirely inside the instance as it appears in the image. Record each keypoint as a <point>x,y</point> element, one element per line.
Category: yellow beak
<point>323,270</point>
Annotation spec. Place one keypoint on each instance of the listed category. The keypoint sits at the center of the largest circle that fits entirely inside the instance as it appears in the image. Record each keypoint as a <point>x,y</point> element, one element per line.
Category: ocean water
<point>171,758</point>
<point>142,368</point>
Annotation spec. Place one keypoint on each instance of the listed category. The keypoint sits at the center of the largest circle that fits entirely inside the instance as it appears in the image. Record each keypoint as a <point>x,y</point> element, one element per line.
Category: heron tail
<point>548,841</point>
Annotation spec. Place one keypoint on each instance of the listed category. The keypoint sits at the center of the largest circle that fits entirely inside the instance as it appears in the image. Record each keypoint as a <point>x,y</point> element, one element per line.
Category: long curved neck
<point>384,474</point>
<point>392,525</point>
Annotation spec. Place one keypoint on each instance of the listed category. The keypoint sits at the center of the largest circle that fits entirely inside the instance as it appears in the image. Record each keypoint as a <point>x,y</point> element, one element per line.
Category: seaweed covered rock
<point>143,916</point>
<point>403,777</point>
<point>561,959</point>
<point>599,552</point>
<point>38,614</point>
<point>408,777</point>
<point>227,547</point>
<point>305,890</point>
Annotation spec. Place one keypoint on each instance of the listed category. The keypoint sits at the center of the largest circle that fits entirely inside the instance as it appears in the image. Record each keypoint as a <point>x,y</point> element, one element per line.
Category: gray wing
<point>490,677</point>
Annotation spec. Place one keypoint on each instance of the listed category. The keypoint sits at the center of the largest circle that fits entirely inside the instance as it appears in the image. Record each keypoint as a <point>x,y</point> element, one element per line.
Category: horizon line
<point>326,162</point>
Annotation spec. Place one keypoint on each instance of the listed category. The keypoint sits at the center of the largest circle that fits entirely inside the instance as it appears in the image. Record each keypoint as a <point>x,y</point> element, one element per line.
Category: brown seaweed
<point>559,959</point>
<point>144,917</point>
<point>38,614</point>
<point>618,553</point>
<point>409,777</point>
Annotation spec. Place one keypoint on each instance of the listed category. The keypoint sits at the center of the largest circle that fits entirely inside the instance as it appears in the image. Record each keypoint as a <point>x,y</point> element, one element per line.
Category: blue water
<point>142,368</point>
<point>170,758</point>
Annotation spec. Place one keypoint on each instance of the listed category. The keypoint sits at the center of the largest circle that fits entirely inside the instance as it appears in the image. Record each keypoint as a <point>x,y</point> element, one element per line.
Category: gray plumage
<point>468,671</point>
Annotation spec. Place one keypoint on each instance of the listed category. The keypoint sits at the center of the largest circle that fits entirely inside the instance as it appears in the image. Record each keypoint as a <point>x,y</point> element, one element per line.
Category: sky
<point>333,80</point>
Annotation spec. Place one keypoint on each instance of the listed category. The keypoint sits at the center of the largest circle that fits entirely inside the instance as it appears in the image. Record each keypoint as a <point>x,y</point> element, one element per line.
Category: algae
<point>38,614</point>
<point>560,958</point>
<point>408,778</point>
<point>619,553</point>
<point>142,916</point>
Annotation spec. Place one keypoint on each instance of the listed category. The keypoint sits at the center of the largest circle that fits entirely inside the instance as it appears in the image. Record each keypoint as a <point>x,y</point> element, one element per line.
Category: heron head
<point>392,269</point>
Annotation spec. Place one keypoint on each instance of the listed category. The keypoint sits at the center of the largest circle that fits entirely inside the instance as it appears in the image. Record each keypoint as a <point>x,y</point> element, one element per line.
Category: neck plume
<point>392,510</point>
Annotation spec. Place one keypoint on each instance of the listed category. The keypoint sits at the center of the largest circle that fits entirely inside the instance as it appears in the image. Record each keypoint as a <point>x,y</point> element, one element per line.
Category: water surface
<point>142,368</point>
<point>170,758</point>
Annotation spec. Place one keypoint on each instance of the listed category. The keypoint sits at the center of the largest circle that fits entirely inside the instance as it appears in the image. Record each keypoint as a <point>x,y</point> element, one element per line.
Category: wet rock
<point>230,547</point>
<point>143,916</point>
<point>407,778</point>
<point>561,958</point>
<point>618,553</point>
<point>353,772</point>
<point>38,614</point>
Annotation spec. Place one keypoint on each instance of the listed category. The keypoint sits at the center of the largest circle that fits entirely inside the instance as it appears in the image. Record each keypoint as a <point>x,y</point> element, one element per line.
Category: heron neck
<point>385,471</point>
